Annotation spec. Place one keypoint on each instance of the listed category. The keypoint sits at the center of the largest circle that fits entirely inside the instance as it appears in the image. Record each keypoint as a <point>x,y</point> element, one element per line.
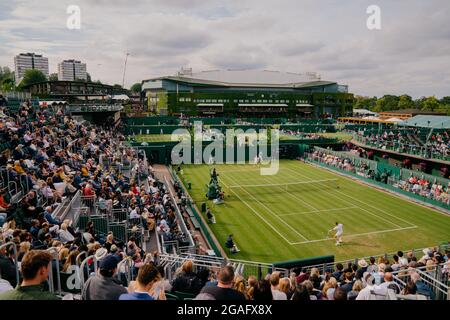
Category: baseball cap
<point>109,262</point>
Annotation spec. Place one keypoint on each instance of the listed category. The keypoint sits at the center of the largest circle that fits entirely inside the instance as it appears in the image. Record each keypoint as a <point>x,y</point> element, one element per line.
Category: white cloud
<point>409,55</point>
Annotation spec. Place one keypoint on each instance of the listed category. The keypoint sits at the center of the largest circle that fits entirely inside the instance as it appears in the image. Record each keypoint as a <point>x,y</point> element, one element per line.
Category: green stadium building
<point>247,93</point>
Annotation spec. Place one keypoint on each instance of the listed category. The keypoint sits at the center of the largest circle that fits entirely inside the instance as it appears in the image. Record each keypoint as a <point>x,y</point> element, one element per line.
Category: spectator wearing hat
<point>100,254</point>
<point>362,264</point>
<point>35,268</point>
<point>103,286</point>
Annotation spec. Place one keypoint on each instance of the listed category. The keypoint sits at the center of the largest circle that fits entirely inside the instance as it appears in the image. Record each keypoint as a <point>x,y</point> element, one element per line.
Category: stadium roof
<point>411,111</point>
<point>424,121</point>
<point>249,78</point>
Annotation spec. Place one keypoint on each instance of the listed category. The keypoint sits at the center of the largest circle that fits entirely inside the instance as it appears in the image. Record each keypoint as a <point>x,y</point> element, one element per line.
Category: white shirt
<point>365,294</point>
<point>5,285</point>
<point>65,236</point>
<point>339,228</point>
<point>134,214</point>
<point>278,295</point>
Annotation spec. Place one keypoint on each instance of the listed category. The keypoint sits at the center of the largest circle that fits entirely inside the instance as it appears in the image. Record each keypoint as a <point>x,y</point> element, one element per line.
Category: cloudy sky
<point>410,54</point>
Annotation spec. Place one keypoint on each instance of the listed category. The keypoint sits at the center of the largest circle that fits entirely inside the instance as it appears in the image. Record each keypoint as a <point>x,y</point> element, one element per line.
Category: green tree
<point>136,88</point>
<point>53,77</point>
<point>32,76</point>
<point>386,103</point>
<point>444,108</point>
<point>364,102</point>
<point>89,79</point>
<point>430,104</point>
<point>445,100</point>
<point>7,81</point>
<point>405,102</point>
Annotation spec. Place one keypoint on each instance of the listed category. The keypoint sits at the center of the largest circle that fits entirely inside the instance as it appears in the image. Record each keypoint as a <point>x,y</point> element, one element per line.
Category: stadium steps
<point>149,241</point>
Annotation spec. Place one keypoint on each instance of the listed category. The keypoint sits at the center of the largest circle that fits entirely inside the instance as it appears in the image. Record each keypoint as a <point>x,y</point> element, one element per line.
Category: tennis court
<point>288,215</point>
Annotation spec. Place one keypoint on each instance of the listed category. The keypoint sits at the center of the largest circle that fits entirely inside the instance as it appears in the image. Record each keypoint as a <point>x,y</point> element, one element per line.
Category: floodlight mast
<point>124,69</point>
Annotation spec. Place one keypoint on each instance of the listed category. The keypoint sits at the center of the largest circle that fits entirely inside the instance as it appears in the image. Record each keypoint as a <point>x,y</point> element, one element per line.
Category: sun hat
<point>362,263</point>
<point>101,253</point>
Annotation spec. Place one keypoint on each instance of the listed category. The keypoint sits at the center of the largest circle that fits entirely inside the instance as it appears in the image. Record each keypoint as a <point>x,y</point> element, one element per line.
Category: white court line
<point>356,235</point>
<point>294,196</point>
<point>262,218</point>
<point>286,224</point>
<point>324,210</point>
<point>234,170</point>
<point>381,210</point>
<point>361,208</point>
<point>280,184</point>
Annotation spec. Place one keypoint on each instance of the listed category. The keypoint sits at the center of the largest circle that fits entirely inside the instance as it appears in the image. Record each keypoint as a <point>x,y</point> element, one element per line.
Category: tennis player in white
<point>339,231</point>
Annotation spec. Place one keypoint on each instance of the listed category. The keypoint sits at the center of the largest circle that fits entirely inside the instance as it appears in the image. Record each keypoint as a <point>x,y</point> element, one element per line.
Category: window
<point>181,99</point>
<point>259,101</point>
<point>241,101</point>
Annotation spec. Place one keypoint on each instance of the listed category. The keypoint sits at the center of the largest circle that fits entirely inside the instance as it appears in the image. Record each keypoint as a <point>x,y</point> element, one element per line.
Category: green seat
<point>184,295</point>
<point>170,296</point>
<point>82,222</point>
<point>195,223</point>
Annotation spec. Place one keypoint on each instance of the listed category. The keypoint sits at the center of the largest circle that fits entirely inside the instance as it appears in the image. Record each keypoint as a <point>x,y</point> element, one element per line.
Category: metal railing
<point>55,258</point>
<point>82,268</point>
<point>69,209</point>
<point>245,268</point>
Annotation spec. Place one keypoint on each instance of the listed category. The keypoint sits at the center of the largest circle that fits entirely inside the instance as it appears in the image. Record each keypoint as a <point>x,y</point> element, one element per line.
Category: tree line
<point>392,102</point>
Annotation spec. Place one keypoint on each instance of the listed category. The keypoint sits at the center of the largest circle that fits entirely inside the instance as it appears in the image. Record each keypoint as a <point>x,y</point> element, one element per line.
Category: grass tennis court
<point>274,223</point>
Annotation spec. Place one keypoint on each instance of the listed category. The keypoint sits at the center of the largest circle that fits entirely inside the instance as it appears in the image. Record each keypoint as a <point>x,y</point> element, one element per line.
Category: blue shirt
<point>136,296</point>
<point>49,218</point>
